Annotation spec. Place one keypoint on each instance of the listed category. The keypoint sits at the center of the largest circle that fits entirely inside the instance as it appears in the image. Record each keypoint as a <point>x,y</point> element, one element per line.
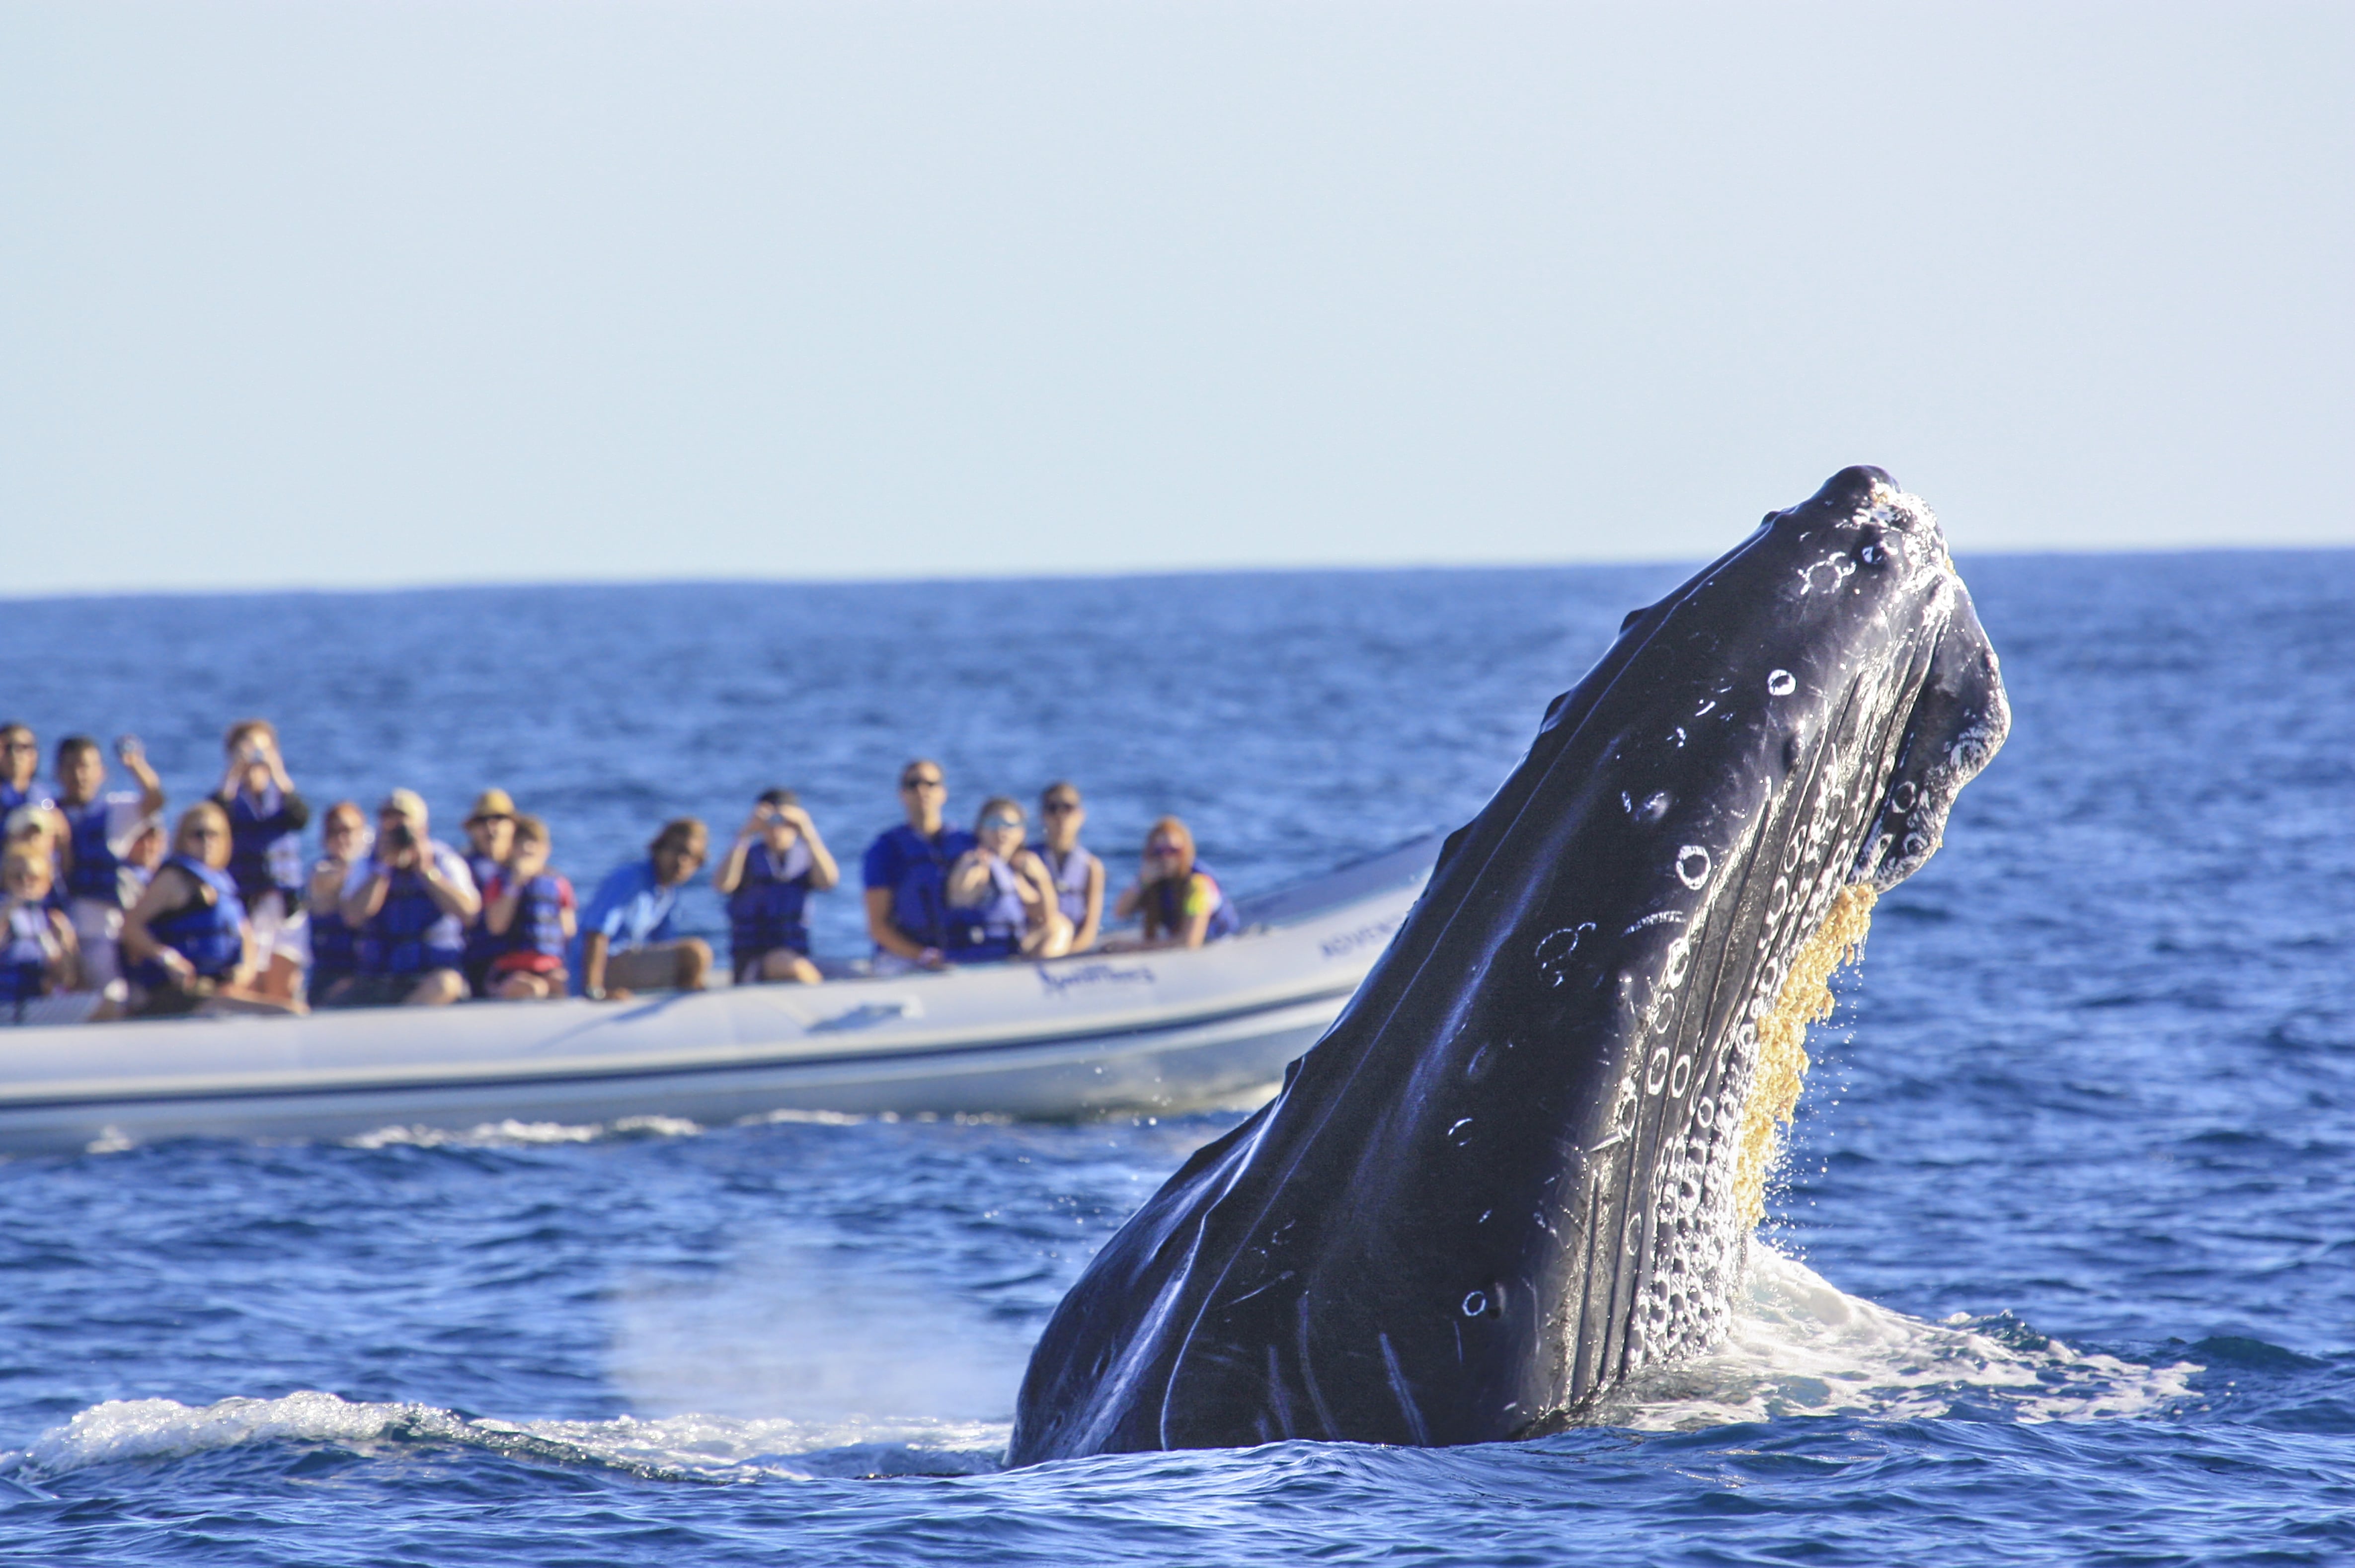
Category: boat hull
<point>1093,1034</point>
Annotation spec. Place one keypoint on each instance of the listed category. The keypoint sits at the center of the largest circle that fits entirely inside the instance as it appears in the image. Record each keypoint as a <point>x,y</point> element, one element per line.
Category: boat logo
<point>1093,974</point>
<point>1364,936</point>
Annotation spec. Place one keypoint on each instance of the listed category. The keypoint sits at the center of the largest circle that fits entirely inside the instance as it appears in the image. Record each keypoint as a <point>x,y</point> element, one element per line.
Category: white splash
<point>510,1132</point>
<point>1797,1345</point>
<point>689,1447</point>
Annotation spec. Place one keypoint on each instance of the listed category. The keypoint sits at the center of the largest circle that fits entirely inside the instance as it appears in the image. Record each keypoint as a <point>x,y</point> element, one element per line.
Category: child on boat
<point>529,911</point>
<point>99,826</point>
<point>777,861</point>
<point>1002,902</point>
<point>41,957</point>
<point>1078,876</point>
<point>490,841</point>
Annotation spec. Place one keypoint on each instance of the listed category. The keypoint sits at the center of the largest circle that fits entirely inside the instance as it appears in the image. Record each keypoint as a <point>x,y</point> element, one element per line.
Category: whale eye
<point>1902,798</point>
<point>1476,1303</point>
<point>1692,865</point>
<point>1782,683</point>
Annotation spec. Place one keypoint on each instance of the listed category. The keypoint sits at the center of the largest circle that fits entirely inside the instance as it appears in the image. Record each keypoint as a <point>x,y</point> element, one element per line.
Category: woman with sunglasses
<point>1078,876</point>
<point>1179,902</point>
<point>186,938</point>
<point>1001,900</point>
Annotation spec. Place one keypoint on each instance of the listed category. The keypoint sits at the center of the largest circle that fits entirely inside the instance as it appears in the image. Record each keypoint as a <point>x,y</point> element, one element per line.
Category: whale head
<point>1527,1159</point>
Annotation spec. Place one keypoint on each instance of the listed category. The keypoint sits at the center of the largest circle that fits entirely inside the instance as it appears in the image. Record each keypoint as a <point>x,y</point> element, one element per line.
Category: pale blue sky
<point>338,293</point>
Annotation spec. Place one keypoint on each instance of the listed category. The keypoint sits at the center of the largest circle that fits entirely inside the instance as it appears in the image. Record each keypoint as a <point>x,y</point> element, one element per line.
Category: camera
<point>401,837</point>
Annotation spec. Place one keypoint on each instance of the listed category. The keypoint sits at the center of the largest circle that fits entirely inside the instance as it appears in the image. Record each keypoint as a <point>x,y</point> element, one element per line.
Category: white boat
<point>1159,1031</point>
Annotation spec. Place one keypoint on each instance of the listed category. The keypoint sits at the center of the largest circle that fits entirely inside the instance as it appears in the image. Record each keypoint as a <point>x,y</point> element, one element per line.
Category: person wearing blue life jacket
<point>38,956</point>
<point>185,942</point>
<point>490,840</point>
<point>345,841</point>
<point>266,819</point>
<point>529,911</point>
<point>1001,900</point>
<point>767,876</point>
<point>99,827</point>
<point>907,872</point>
<point>1174,896</point>
<point>1078,876</point>
<point>629,941</point>
<point>407,905</point>
<point>20,769</point>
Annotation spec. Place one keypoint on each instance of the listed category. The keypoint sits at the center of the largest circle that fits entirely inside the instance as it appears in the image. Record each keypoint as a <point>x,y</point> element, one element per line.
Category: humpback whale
<point>1526,1161</point>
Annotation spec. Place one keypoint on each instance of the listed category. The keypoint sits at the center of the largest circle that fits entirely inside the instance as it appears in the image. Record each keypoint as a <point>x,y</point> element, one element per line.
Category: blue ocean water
<point>2062,1270</point>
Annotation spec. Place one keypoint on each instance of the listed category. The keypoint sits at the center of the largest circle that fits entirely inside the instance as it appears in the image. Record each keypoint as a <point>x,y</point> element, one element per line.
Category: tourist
<point>1180,902</point>
<point>407,905</point>
<point>907,871</point>
<point>490,840</point>
<point>346,840</point>
<point>628,941</point>
<point>1001,899</point>
<point>1078,876</point>
<point>185,942</point>
<point>529,911</point>
<point>99,826</point>
<point>20,769</point>
<point>767,876</point>
<point>41,956</point>
<point>266,819</point>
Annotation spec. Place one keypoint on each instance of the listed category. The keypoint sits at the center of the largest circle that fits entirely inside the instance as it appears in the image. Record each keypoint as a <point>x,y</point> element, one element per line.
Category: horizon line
<point>460,585</point>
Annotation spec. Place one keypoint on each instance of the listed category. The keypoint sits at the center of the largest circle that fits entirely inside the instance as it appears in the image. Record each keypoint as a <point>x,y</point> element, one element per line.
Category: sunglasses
<point>1060,808</point>
<point>1001,822</point>
<point>923,783</point>
<point>1159,851</point>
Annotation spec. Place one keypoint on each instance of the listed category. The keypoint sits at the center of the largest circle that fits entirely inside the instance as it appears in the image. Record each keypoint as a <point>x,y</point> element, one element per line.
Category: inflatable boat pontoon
<point>1165,1030</point>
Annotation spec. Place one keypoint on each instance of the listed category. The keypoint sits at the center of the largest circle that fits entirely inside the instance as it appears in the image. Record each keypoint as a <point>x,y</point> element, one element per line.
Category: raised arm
<point>171,889</point>
<point>151,788</point>
<point>824,873</point>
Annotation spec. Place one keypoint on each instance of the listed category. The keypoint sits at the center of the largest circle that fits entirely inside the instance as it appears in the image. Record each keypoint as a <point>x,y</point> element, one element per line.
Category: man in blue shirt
<point>907,874</point>
<point>627,942</point>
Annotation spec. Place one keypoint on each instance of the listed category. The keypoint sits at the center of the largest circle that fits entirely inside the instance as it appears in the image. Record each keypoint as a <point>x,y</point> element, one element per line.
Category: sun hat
<point>492,803</point>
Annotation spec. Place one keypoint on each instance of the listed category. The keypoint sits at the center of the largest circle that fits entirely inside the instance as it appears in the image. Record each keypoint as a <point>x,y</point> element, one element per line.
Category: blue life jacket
<point>334,947</point>
<point>261,861</point>
<point>24,960</point>
<point>765,912</point>
<point>1164,896</point>
<point>920,899</point>
<point>538,924</point>
<point>94,864</point>
<point>209,933</point>
<point>11,797</point>
<point>483,943</point>
<point>393,941</point>
<point>993,928</point>
<point>1071,881</point>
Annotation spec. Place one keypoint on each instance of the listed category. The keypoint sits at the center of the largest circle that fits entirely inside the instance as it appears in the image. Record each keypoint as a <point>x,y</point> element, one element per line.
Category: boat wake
<point>1798,1347</point>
